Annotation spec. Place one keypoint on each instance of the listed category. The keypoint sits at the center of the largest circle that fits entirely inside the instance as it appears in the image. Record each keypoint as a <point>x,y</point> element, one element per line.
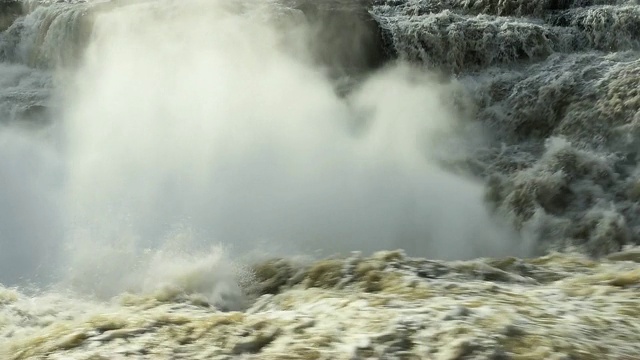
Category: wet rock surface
<point>9,12</point>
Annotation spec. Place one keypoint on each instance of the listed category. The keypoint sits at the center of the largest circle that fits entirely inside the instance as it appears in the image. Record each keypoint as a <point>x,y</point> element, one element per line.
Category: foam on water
<point>151,150</point>
<point>387,305</point>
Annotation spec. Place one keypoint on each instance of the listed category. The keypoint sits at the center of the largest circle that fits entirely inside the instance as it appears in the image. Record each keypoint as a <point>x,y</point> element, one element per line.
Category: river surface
<point>157,155</point>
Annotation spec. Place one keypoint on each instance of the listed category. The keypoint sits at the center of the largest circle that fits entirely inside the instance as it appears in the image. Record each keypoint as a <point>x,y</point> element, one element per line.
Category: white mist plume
<point>212,114</point>
<point>30,221</point>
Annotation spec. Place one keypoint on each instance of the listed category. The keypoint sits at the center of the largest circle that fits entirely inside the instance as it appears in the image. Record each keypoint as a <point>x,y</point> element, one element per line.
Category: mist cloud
<point>221,119</point>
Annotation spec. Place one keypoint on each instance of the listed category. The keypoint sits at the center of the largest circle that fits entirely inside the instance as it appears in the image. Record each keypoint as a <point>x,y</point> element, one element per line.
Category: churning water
<point>137,126</point>
<point>146,144</point>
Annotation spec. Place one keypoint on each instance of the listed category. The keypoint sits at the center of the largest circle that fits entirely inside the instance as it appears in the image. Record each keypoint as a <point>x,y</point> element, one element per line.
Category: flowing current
<point>178,126</point>
<point>157,144</point>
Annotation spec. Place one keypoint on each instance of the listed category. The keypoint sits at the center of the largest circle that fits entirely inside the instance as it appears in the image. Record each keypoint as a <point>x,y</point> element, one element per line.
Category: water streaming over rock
<point>169,171</point>
<point>555,83</point>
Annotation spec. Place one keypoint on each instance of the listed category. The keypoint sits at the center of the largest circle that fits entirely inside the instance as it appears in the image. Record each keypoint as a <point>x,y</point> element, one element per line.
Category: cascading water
<point>228,119</point>
<point>159,148</point>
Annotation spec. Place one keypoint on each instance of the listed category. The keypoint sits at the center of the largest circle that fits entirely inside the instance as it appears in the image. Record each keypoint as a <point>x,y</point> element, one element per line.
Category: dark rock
<point>345,38</point>
<point>254,343</point>
<point>10,10</point>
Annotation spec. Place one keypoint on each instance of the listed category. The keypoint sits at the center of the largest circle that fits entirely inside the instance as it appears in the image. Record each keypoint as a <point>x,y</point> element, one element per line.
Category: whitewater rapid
<point>227,124</point>
<point>155,155</point>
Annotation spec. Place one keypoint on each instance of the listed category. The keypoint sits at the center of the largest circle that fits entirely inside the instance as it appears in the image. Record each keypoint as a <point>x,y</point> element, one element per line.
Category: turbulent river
<point>221,179</point>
